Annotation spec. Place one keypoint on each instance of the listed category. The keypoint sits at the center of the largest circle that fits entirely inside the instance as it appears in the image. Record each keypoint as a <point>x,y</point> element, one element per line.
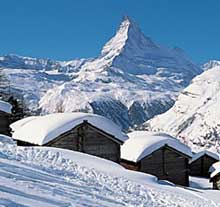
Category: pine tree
<point>19,109</point>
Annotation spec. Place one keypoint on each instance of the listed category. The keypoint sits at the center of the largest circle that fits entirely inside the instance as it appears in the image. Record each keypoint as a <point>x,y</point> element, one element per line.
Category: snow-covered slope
<point>52,177</point>
<point>32,77</point>
<point>129,82</point>
<point>195,117</point>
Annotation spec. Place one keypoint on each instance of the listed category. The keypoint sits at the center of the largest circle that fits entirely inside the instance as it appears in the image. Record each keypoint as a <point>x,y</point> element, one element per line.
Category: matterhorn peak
<point>129,23</point>
<point>128,34</point>
<point>126,18</point>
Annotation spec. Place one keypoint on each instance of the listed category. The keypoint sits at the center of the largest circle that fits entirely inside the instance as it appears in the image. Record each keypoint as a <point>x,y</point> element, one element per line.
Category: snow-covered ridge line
<point>211,64</point>
<point>21,62</point>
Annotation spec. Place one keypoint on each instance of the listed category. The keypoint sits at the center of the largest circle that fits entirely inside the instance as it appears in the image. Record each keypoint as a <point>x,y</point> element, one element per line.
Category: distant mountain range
<point>132,80</point>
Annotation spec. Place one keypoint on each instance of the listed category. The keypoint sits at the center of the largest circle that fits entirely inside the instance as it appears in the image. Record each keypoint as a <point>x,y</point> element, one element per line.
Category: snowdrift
<point>34,176</point>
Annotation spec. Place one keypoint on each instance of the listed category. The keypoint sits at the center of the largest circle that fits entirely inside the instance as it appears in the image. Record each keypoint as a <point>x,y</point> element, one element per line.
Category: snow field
<point>47,177</point>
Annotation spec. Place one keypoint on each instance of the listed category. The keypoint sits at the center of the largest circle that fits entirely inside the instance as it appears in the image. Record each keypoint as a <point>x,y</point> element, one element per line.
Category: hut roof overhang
<point>200,154</point>
<point>214,170</point>
<point>16,125</point>
<point>142,143</point>
<point>40,130</point>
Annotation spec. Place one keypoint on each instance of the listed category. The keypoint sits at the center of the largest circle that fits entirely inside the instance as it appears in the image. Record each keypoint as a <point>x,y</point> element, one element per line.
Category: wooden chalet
<point>157,154</point>
<point>5,114</point>
<point>216,182</point>
<point>215,175</point>
<point>201,163</point>
<point>88,133</point>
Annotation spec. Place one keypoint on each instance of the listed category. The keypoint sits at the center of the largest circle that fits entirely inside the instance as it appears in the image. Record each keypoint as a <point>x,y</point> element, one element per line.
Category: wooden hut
<point>157,154</point>
<point>201,163</point>
<point>215,175</point>
<point>88,133</point>
<point>5,114</point>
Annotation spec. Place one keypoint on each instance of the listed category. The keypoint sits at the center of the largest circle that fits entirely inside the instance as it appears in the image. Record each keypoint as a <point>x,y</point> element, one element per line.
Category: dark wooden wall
<point>4,123</point>
<point>90,140</point>
<point>165,163</point>
<point>200,167</point>
<point>25,144</point>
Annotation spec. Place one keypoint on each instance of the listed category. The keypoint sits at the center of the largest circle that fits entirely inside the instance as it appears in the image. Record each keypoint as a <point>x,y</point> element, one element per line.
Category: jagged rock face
<point>132,80</point>
<point>195,117</point>
<point>112,109</point>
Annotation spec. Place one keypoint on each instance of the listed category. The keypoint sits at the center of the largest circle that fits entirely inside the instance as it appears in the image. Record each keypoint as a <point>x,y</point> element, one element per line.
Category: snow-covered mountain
<point>132,80</point>
<point>195,117</point>
<point>32,77</point>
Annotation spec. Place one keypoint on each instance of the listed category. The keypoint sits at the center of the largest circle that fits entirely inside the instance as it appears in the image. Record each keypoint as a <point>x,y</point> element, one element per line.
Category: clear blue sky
<point>67,29</point>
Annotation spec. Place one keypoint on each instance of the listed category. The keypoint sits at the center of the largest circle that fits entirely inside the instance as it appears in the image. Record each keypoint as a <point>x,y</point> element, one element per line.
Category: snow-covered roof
<point>142,143</point>
<point>16,125</point>
<point>42,129</point>
<point>6,107</point>
<point>202,153</point>
<point>214,169</point>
